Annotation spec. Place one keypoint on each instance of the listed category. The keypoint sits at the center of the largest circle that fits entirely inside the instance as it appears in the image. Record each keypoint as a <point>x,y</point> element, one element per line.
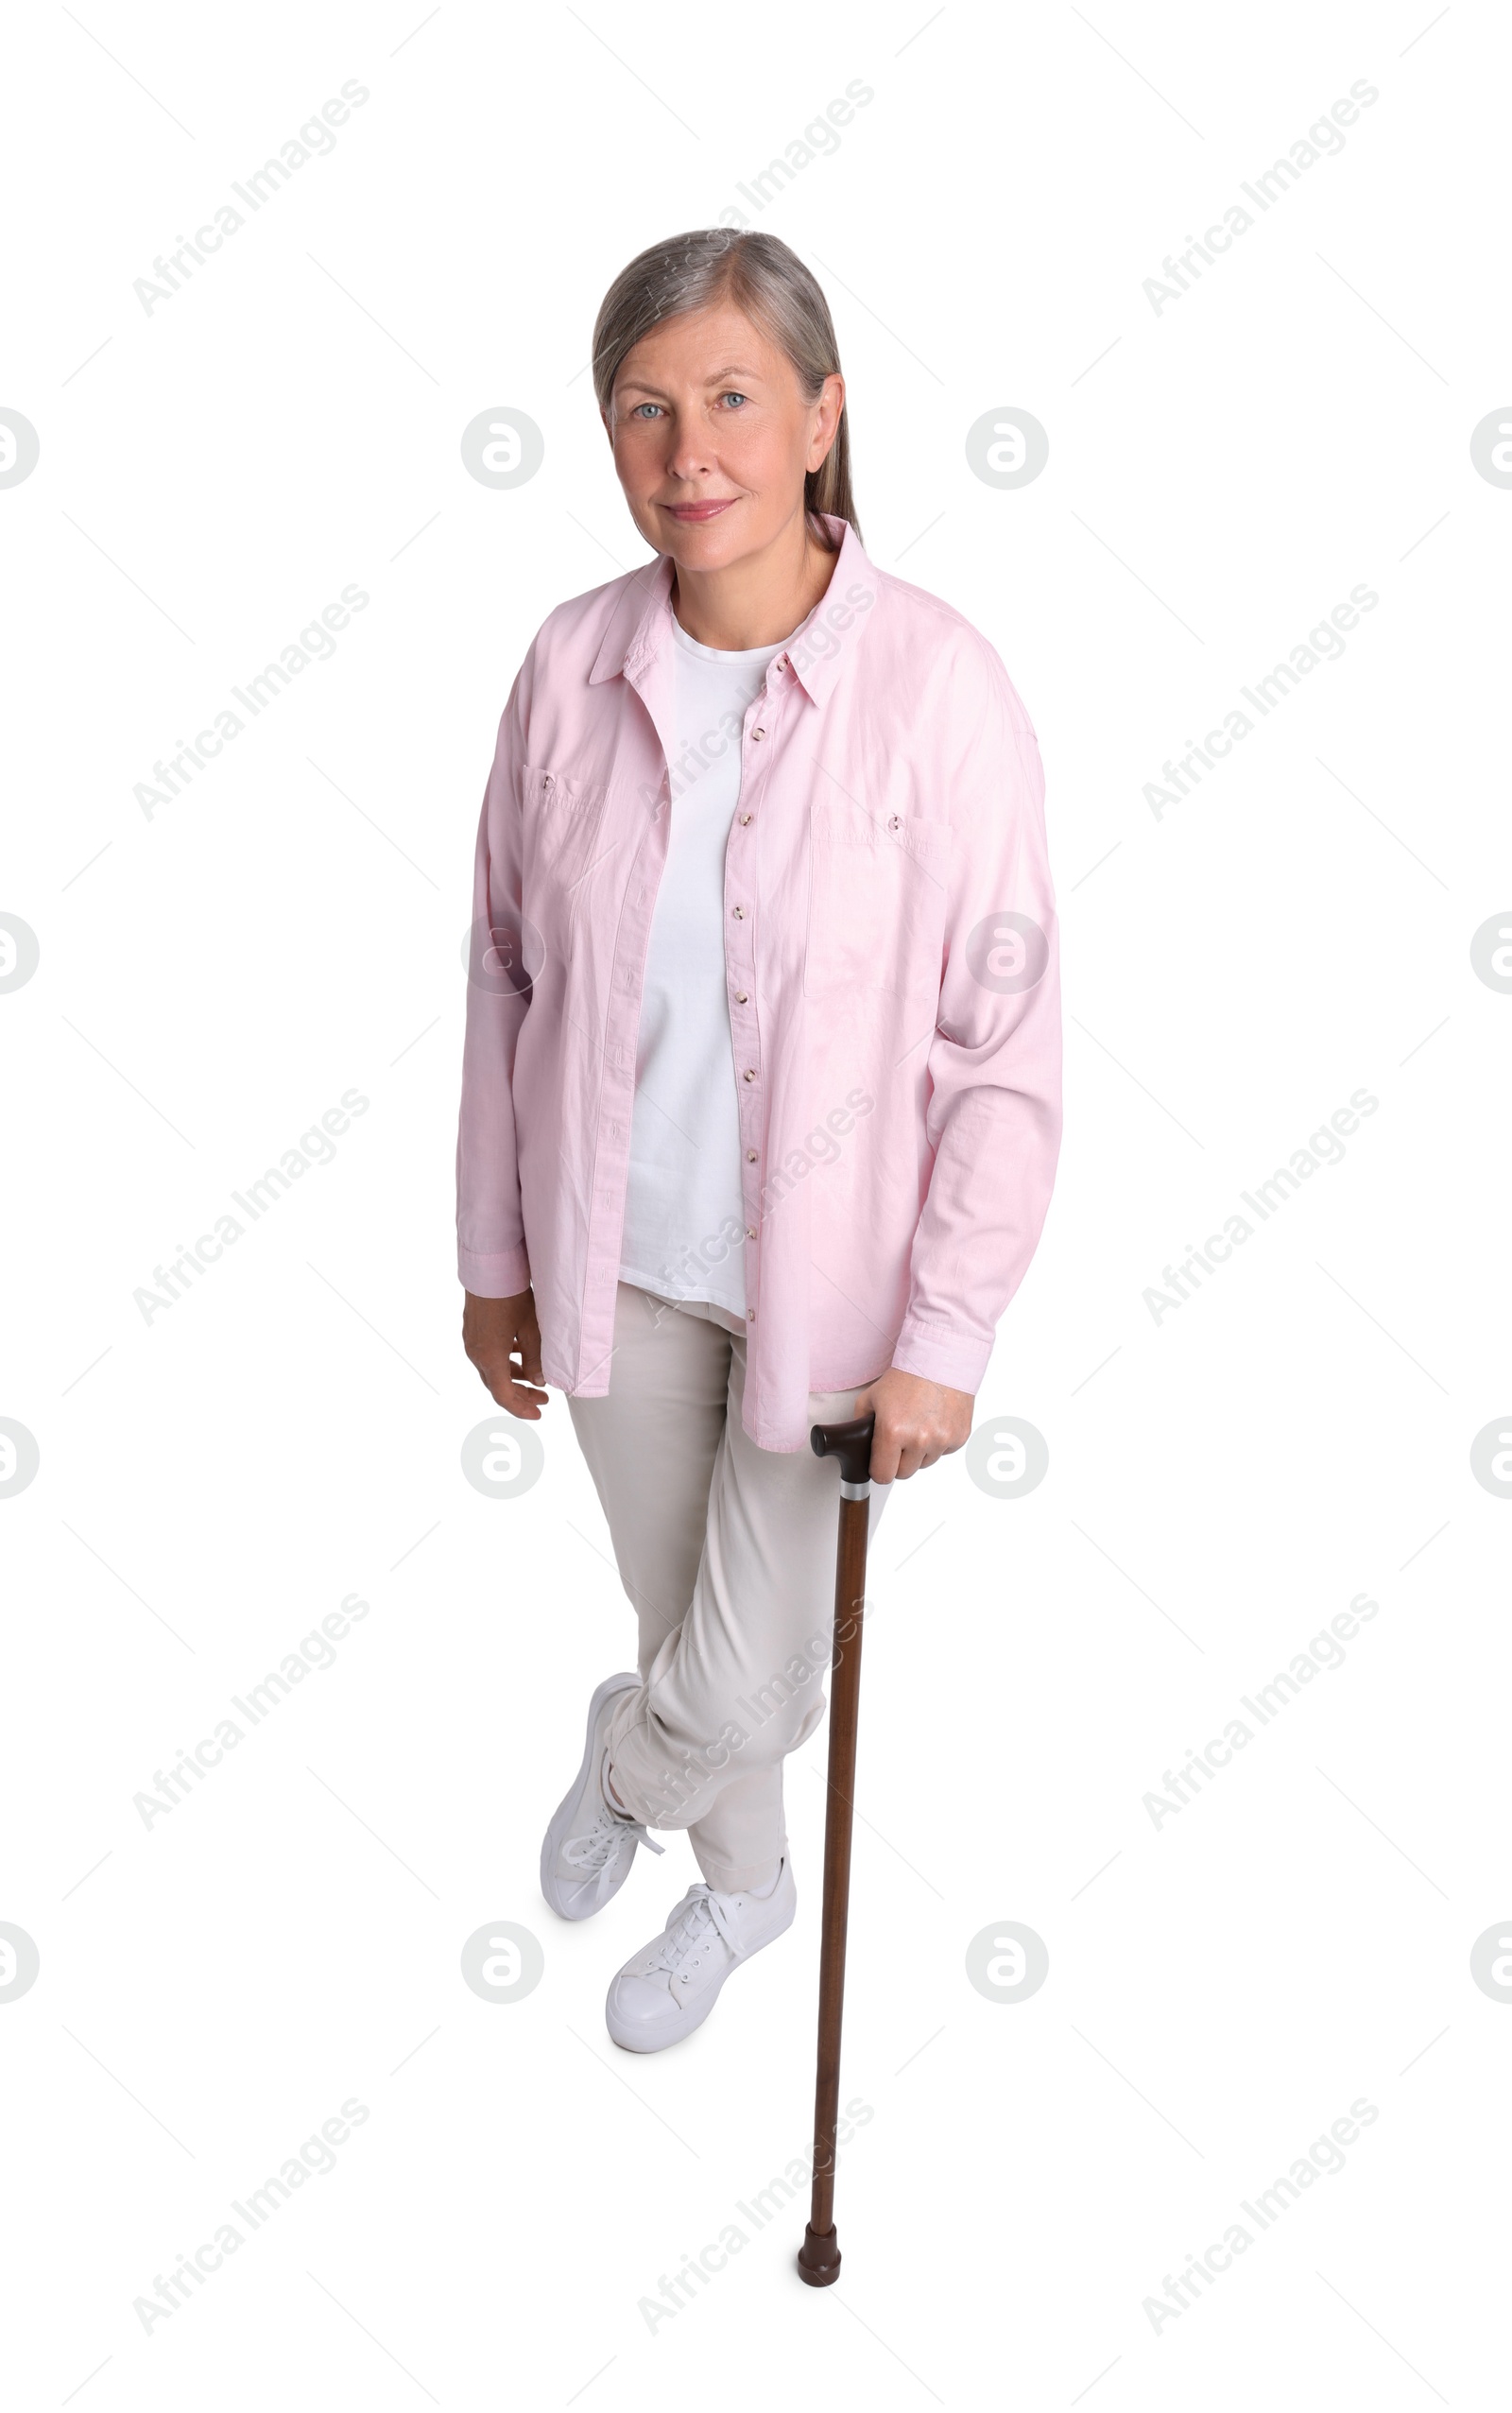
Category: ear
<point>826,426</point>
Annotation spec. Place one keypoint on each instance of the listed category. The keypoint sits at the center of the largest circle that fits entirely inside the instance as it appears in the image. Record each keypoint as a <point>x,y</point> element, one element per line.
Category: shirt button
<point>740,996</point>
<point>748,1076</point>
<point>751,1231</point>
<point>750,1156</point>
<point>757,732</point>
<point>744,818</point>
<point>740,913</point>
<point>750,1314</point>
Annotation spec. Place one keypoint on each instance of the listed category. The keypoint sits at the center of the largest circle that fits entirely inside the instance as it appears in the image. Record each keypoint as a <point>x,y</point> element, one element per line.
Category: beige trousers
<point>727,1552</point>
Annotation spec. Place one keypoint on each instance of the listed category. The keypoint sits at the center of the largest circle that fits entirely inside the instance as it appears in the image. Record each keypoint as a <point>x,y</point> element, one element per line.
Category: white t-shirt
<point>684,1226</point>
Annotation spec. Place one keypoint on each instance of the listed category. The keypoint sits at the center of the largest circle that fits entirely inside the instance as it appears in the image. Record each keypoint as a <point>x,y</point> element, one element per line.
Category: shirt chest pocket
<point>560,823</point>
<point>877,897</point>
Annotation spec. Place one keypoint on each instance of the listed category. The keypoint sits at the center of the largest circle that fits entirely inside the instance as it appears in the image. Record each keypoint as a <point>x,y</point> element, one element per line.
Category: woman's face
<point>712,438</point>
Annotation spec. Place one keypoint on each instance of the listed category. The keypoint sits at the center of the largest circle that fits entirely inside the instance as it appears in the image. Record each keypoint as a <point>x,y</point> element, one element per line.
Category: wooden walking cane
<point>818,2258</point>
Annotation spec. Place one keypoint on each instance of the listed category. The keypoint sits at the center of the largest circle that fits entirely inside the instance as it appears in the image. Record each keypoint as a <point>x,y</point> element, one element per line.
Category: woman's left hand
<point>916,1423</point>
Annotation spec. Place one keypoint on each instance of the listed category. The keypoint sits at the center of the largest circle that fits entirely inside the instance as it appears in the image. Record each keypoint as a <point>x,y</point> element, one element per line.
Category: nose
<point>688,453</point>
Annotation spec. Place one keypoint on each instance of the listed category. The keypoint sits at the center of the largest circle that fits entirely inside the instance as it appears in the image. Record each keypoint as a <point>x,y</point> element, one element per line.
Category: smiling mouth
<point>699,510</point>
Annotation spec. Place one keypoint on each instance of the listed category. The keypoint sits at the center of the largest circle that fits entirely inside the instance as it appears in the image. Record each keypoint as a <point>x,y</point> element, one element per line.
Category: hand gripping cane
<point>819,2260</point>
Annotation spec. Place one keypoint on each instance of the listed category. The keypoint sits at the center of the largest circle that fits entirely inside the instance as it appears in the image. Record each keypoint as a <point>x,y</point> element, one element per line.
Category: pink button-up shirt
<point>894,1000</point>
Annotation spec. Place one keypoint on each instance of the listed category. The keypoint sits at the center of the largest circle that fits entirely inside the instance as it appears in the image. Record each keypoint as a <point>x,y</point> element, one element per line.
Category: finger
<point>501,1385</point>
<point>492,1375</point>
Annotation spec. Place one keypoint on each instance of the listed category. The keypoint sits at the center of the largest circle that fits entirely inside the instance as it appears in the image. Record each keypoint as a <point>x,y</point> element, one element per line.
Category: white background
<point>1221,1484</point>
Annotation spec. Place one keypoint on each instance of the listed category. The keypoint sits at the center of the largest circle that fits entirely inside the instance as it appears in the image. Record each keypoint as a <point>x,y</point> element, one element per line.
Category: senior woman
<point>761,1088</point>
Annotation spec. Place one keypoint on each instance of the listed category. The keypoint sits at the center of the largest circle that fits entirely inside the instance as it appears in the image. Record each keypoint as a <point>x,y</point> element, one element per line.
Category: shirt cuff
<point>495,1277</point>
<point>938,1355</point>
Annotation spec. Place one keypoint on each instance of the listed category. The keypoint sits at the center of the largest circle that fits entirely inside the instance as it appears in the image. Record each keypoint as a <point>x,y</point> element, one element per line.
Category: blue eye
<point>640,407</point>
<point>734,398</point>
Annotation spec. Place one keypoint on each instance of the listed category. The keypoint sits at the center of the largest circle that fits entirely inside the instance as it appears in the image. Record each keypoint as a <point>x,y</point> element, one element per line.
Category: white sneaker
<point>588,1847</point>
<point>670,1988</point>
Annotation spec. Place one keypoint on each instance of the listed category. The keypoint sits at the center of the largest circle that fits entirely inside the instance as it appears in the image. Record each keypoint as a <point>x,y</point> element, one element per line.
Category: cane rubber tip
<point>818,2257</point>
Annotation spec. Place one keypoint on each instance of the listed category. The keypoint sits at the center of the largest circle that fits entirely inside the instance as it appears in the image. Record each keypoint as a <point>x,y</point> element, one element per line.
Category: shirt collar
<point>641,623</point>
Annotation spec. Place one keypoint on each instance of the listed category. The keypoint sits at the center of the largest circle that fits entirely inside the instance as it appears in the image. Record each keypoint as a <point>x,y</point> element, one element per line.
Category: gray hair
<point>763,277</point>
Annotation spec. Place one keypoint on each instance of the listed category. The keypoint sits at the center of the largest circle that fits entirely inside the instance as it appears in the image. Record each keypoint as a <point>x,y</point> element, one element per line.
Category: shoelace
<point>700,1912</point>
<point>592,1852</point>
